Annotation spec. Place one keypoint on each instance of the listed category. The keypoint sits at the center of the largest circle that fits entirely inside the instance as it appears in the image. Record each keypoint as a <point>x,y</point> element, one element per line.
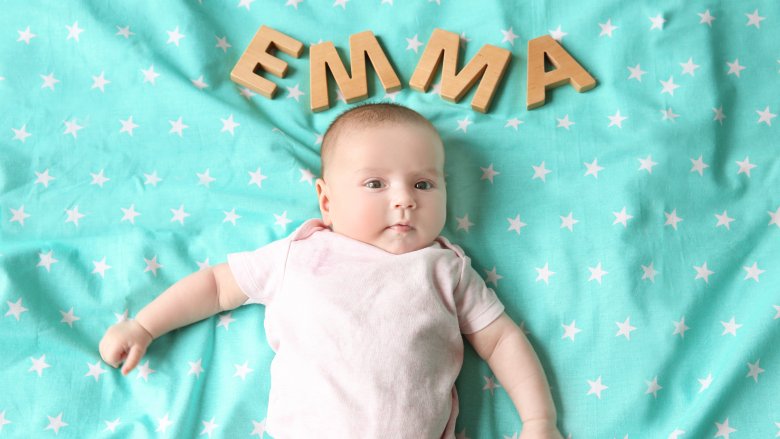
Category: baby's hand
<point>126,341</point>
<point>540,429</point>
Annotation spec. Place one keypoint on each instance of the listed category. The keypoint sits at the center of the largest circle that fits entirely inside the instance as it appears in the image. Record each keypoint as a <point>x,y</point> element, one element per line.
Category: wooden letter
<point>489,63</point>
<point>323,56</point>
<point>257,57</point>
<point>566,70</point>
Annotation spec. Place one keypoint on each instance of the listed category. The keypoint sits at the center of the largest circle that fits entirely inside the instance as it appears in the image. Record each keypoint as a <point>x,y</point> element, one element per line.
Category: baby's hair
<point>367,115</point>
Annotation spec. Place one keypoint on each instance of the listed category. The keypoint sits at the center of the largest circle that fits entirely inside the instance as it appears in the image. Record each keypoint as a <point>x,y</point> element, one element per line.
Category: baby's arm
<point>193,298</point>
<point>513,360</point>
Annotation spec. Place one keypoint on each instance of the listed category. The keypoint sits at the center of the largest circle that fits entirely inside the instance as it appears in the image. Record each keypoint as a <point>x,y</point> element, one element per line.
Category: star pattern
<point>588,216</point>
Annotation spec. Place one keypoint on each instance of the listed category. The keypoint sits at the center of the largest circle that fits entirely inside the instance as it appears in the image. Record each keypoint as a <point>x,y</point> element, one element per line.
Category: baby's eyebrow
<point>433,171</point>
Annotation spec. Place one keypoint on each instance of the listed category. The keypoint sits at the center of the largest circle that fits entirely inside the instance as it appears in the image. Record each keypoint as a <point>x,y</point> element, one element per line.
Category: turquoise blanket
<point>632,229</point>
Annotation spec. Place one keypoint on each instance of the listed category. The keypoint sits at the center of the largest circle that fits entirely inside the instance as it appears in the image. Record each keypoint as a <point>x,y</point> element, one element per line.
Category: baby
<point>364,308</point>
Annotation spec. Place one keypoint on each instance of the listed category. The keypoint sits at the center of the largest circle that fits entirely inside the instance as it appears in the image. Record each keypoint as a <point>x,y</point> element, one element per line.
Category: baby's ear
<point>324,200</point>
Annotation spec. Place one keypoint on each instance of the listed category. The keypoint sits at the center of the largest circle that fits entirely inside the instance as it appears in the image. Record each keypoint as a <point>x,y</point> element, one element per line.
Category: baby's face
<point>383,176</point>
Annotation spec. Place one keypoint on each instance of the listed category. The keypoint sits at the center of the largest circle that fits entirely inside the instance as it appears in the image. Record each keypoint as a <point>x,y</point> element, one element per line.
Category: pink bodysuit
<point>368,343</point>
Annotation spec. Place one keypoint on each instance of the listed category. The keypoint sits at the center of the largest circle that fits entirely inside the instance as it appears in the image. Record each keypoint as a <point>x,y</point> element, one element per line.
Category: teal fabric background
<point>689,305</point>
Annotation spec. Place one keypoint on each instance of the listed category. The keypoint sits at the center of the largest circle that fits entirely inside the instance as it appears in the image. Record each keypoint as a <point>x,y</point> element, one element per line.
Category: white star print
<point>617,119</point>
<point>705,382</point>
<point>540,172</point>
<point>514,122</point>
<point>205,179</point>
<point>19,215</point>
<point>544,273</point>
<point>225,320</point>
<point>647,164</point>
<point>669,86</point>
<point>179,214</point>
<point>101,267</point>
<point>636,73</point>
<point>557,34</point>
<point>74,31</point>
<point>199,83</point>
<point>95,371</point>
<point>413,43</point>
<point>242,370</point>
<point>294,92</point>
<point>74,216</point>
<point>509,35</point>
<point>196,368</point>
<point>223,44</point>
<point>15,309</point>
<point>152,265</point>
<point>124,31</point>
<point>21,134</point>
<point>150,75</point>
<point>724,220</point>
<point>463,125</point>
<point>144,371</point>
<point>47,259</point>
<point>72,128</point>
<point>607,28</point>
<point>719,116</point>
<point>564,123</point>
<point>208,427</point>
<point>680,327</point>
<point>68,317</point>
<point>621,217</point>
<point>568,222</point>
<point>745,166</point>
<point>755,369</point>
<point>596,273</point>
<point>653,387</point>
<point>658,22</point>
<point>257,178</point>
<point>465,224</point>
<point>774,217</point>
<point>699,166</point>
<point>174,36</point>
<point>570,330</point>
<point>514,224</point>
<point>735,68</point>
<point>56,423</point>
<point>754,19</point>
<point>177,126</point>
<point>689,67</point>
<point>649,272</point>
<point>668,114</point>
<point>164,423</point>
<point>493,277</point>
<point>38,365</point>
<point>730,327</point>
<point>488,173</point>
<point>625,329</point>
<point>753,272</point>
<point>128,126</point>
<point>490,384</point>
<point>99,179</point>
<point>724,429</point>
<point>703,272</point>
<point>100,82</point>
<point>49,81</point>
<point>596,387</point>
<point>281,220</point>
<point>593,168</point>
<point>231,216</point>
<point>26,35</point>
<point>672,219</point>
<point>706,18</point>
<point>766,116</point>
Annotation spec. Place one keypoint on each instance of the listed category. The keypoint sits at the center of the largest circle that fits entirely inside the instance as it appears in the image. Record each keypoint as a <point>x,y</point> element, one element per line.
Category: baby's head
<point>383,165</point>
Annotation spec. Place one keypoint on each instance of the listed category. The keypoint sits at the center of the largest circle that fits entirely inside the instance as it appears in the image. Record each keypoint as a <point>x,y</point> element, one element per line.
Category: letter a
<point>567,70</point>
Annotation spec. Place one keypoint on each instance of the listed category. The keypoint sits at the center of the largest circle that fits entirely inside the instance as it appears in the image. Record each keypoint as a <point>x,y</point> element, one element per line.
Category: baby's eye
<point>373,184</point>
<point>424,185</point>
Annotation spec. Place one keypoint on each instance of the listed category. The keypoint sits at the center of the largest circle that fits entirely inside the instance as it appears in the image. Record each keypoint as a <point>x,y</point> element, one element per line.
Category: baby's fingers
<point>136,352</point>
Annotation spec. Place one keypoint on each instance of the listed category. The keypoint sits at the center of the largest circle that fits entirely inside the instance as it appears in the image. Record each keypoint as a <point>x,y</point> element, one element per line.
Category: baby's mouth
<point>401,227</point>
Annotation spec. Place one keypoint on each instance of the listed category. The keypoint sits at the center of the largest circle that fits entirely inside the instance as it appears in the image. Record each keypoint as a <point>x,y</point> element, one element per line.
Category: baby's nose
<point>404,200</point>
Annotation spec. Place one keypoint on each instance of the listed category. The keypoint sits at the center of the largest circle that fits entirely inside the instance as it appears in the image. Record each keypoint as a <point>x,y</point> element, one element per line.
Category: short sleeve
<point>259,273</point>
<point>477,305</point>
